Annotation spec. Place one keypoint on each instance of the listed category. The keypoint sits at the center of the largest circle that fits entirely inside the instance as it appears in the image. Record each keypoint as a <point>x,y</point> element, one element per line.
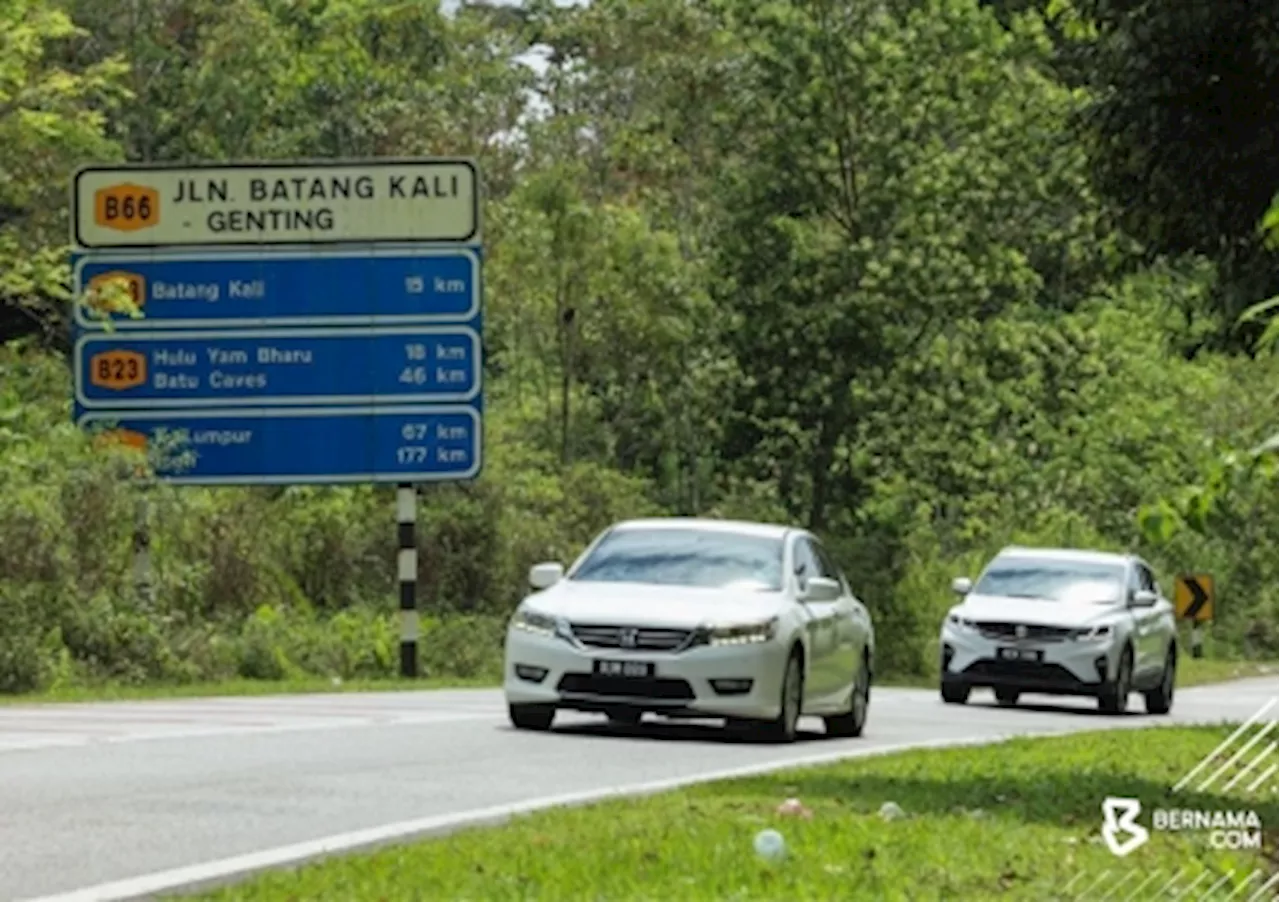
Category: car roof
<point>709,524</point>
<point>1083,555</point>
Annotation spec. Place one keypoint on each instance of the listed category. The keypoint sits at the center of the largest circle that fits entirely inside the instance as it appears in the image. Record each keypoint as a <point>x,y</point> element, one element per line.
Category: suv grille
<point>993,630</point>
<point>641,638</point>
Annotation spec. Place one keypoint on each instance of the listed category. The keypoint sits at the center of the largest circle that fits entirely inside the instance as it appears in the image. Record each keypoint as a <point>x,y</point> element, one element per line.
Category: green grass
<point>1018,820</point>
<point>1191,673</point>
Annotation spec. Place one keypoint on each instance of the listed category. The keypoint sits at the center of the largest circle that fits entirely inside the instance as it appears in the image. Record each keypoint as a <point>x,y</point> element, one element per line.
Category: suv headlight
<point>1092,633</point>
<point>539,624</point>
<point>961,624</point>
<point>742,633</point>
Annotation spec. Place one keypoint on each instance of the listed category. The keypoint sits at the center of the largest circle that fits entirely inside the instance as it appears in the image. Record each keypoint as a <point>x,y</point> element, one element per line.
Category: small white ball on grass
<point>770,845</point>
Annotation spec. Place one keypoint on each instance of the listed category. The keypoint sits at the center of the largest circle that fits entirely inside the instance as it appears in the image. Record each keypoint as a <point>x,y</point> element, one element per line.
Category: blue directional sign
<point>277,367</point>
<point>381,286</point>
<point>314,322</point>
<point>304,445</point>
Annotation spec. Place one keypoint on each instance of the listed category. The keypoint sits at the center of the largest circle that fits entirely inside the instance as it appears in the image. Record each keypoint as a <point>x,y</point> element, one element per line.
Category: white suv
<point>1062,622</point>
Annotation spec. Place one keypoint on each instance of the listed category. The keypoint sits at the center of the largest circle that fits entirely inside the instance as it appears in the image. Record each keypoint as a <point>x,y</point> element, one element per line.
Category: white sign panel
<point>427,200</point>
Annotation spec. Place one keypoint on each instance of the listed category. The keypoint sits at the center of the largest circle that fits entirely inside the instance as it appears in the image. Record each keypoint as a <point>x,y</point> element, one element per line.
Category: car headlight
<point>742,633</point>
<point>539,624</point>
<point>1092,633</point>
<point>961,624</point>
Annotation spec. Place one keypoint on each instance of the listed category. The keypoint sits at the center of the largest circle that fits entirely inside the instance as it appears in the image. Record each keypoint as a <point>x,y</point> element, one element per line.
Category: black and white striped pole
<point>407,569</point>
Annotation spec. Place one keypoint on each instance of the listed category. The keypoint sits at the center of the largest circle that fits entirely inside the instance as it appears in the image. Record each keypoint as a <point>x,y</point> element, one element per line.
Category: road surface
<point>94,794</point>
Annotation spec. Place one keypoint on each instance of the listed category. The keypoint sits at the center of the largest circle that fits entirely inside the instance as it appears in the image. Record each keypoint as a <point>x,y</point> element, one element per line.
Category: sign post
<point>317,322</point>
<point>1194,600</point>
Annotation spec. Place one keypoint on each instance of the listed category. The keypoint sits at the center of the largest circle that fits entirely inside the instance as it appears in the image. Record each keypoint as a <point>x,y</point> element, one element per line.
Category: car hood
<point>1035,612</point>
<point>637,604</point>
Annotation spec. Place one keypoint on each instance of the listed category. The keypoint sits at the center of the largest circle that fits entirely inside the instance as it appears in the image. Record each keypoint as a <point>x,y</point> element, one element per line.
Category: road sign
<point>277,367</point>
<point>257,289</point>
<point>1193,597</point>
<point>304,445</point>
<point>227,204</point>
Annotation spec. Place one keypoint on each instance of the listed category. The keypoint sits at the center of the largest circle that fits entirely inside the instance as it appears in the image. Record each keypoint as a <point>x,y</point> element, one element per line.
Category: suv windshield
<point>710,559</point>
<point>1053,580</point>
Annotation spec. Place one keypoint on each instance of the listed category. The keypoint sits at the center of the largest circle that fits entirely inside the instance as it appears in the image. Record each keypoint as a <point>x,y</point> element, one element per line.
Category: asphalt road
<point>92,794</point>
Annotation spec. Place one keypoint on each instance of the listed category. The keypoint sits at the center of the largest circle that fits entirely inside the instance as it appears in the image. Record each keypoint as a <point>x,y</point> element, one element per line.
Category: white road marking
<point>216,872</point>
<point>58,726</point>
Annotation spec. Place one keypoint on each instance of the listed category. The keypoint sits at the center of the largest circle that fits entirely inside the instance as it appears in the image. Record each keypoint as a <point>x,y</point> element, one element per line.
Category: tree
<point>51,119</point>
<point>1184,121</point>
<point>903,169</point>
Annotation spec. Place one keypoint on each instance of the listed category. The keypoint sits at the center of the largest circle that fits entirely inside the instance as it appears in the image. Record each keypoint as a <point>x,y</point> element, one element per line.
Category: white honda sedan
<point>693,618</point>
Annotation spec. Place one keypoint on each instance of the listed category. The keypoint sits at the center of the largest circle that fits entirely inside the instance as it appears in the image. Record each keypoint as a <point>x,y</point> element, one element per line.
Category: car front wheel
<point>783,728</point>
<point>955,694</point>
<point>1007,697</point>
<point>1115,696</point>
<point>1160,699</point>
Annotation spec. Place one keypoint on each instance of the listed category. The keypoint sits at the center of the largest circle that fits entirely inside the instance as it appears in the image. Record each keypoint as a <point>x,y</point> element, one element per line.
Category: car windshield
<point>710,559</point>
<point>1053,580</point>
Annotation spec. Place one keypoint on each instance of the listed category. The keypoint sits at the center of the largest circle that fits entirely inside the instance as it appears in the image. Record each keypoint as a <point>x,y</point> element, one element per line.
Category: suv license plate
<point>1020,654</point>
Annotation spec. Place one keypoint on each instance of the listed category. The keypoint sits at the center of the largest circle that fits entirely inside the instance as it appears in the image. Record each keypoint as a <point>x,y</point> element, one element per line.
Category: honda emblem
<point>1020,631</point>
<point>628,637</point>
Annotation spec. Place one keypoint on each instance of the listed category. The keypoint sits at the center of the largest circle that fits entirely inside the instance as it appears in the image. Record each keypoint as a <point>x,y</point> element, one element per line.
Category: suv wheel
<point>955,693</point>
<point>1160,699</point>
<point>1007,697</point>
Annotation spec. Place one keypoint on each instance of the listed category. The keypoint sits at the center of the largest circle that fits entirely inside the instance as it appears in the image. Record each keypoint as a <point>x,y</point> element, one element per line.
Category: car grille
<point>994,630</point>
<point>1046,675</point>
<point>639,638</point>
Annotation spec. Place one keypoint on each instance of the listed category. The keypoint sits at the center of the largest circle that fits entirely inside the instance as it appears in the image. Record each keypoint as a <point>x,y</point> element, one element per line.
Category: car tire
<point>1160,699</point>
<point>955,693</point>
<point>1007,697</point>
<point>531,717</point>
<point>1115,695</point>
<point>851,724</point>
<point>783,727</point>
<point>627,717</point>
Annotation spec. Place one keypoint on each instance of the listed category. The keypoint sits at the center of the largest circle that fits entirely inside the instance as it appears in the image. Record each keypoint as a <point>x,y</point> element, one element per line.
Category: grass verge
<point>1017,820</point>
<point>1192,672</point>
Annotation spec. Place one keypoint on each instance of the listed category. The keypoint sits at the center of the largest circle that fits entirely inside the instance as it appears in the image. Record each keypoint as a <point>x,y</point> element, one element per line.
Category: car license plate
<point>1020,654</point>
<point>628,669</point>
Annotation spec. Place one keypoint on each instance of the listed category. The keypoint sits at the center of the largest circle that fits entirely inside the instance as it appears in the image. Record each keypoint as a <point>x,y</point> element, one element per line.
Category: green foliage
<point>51,117</point>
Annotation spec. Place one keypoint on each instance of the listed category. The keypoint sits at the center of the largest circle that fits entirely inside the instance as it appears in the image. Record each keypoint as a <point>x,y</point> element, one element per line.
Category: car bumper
<point>697,682</point>
<point>1067,667</point>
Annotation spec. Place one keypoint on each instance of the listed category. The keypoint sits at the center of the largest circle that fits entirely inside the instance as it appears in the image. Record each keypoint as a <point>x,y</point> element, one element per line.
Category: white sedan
<point>693,618</point>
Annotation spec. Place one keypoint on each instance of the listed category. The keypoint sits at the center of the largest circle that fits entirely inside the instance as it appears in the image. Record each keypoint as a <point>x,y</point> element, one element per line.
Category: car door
<point>819,624</point>
<point>847,627</point>
<point>1145,621</point>
<point>1157,621</point>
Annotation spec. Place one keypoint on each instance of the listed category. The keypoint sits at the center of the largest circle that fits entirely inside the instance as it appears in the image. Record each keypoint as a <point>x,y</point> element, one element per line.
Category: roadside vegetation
<point>880,271</point>
<point>1015,820</point>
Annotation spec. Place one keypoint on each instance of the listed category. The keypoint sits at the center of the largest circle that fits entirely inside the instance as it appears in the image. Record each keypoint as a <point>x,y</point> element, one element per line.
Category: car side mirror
<point>962,585</point>
<point>1144,598</point>
<point>819,589</point>
<point>544,576</point>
